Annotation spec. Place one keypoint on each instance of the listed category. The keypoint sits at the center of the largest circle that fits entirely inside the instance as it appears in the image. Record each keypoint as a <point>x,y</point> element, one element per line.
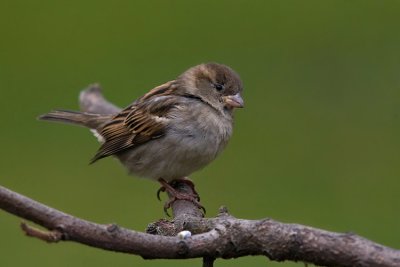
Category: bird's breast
<point>202,130</point>
<point>194,138</point>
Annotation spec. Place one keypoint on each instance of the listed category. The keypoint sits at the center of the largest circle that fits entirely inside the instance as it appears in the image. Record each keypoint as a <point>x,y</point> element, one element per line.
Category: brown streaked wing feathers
<point>138,123</point>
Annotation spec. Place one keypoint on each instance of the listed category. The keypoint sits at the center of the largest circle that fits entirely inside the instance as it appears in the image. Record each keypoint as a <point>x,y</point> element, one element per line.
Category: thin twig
<point>48,236</point>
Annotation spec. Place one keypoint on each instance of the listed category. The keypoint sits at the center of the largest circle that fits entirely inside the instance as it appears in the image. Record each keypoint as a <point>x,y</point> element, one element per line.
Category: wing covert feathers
<point>144,120</point>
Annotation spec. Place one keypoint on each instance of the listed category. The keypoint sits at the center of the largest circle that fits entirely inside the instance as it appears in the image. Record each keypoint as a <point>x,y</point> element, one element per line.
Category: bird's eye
<point>219,86</point>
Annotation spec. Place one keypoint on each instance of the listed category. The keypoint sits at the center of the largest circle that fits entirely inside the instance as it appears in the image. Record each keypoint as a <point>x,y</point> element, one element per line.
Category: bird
<point>171,131</point>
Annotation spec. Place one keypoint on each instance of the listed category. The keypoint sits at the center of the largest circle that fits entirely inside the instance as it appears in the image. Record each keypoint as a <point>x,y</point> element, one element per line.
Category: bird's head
<point>216,84</point>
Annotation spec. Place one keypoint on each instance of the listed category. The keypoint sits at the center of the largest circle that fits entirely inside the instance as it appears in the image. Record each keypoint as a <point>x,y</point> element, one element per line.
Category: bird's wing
<point>146,119</point>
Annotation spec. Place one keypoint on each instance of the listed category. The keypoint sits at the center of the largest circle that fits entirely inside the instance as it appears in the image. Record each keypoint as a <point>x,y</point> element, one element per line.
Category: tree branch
<point>228,237</point>
<point>222,237</point>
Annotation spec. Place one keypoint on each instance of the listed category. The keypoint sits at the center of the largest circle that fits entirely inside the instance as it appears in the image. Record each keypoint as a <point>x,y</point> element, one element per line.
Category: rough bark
<point>222,237</point>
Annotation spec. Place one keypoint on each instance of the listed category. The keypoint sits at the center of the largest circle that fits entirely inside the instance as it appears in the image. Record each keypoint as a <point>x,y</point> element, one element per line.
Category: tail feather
<point>92,121</point>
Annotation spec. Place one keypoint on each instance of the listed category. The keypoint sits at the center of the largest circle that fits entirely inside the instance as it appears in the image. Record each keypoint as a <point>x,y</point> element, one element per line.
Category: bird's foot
<point>176,195</point>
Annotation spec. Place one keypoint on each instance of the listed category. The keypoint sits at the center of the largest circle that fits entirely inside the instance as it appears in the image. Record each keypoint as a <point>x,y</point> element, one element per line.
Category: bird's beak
<point>234,101</point>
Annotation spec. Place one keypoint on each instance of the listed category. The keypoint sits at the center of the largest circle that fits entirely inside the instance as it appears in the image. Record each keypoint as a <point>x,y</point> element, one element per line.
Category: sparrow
<point>170,132</point>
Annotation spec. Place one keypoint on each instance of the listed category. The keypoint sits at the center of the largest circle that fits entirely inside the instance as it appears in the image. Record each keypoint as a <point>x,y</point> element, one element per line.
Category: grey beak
<point>234,101</point>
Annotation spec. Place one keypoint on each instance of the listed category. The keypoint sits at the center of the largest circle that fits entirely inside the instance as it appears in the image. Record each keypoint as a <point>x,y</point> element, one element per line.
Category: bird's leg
<point>176,195</point>
<point>170,186</point>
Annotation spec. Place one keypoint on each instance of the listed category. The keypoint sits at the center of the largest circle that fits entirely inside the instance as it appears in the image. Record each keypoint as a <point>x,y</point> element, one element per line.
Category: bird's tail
<point>92,121</point>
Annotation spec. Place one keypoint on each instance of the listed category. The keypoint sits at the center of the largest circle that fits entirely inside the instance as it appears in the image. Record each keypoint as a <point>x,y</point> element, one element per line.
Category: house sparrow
<point>172,131</point>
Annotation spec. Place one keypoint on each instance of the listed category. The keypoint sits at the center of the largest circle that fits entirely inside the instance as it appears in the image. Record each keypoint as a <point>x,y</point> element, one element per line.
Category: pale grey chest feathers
<point>202,131</point>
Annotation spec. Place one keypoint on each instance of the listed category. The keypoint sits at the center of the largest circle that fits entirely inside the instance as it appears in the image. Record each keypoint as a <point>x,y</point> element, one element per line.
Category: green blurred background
<point>318,142</point>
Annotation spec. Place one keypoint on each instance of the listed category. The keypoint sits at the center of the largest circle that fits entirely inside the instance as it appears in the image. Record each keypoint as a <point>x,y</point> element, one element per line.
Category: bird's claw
<point>176,195</point>
<point>161,189</point>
